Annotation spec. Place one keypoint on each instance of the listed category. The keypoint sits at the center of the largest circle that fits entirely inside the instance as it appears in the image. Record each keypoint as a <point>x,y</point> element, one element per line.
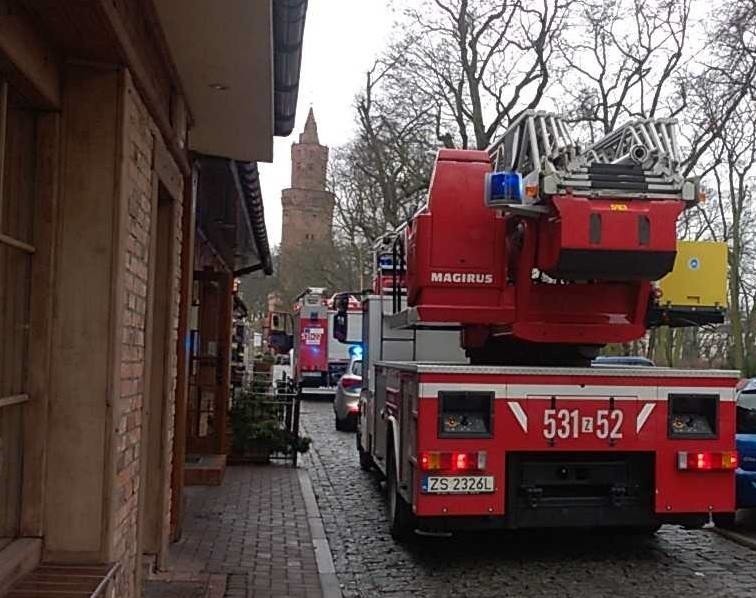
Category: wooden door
<point>209,372</point>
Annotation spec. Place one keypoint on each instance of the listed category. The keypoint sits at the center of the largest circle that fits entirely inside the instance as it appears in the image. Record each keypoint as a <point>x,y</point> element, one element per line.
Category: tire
<point>350,424</point>
<point>724,520</point>
<point>366,461</point>
<point>339,425</point>
<point>401,519</point>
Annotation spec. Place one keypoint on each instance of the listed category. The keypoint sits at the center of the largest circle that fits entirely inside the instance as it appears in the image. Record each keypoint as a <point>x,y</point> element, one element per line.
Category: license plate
<point>461,484</point>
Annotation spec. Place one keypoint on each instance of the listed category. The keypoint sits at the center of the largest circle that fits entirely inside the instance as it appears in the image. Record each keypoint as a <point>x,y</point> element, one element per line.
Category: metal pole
<point>296,428</point>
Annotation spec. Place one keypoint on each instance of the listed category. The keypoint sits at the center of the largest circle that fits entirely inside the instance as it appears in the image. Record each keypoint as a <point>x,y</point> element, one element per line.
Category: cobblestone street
<point>369,563</point>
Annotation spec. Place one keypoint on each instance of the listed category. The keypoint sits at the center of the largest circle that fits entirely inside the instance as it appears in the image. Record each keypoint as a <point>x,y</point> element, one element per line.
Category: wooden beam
<point>87,327</point>
<point>144,82</point>
<point>31,63</point>
<point>3,135</point>
<point>167,171</point>
<point>226,298</point>
<point>41,314</point>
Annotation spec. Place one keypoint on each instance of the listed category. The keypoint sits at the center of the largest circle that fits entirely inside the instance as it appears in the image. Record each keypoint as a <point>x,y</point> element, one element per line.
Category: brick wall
<point>308,166</point>
<point>140,132</point>
<point>307,216</point>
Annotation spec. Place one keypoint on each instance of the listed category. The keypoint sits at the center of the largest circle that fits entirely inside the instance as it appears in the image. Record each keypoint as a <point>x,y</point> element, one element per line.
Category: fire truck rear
<point>480,403</point>
<point>320,358</point>
<point>310,340</point>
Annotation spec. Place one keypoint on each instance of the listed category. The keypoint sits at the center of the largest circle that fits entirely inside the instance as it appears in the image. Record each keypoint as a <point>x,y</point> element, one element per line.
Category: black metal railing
<point>265,417</point>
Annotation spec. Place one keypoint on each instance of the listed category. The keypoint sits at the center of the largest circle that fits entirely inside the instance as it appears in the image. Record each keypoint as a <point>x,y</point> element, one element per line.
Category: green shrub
<point>255,422</point>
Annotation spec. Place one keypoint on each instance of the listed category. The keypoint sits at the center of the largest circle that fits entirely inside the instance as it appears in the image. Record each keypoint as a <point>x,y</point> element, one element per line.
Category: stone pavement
<point>248,538</point>
<point>675,563</point>
<point>744,531</point>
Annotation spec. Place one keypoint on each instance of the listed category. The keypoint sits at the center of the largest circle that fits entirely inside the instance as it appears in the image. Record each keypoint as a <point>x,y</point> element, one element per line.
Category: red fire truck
<point>320,358</point>
<point>480,404</point>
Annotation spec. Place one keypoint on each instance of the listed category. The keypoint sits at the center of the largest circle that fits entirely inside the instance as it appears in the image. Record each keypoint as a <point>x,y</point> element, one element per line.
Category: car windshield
<point>357,368</point>
<point>746,417</point>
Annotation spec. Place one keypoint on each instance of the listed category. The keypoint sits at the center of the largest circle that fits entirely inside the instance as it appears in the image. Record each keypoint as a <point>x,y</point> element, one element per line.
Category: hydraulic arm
<point>541,252</point>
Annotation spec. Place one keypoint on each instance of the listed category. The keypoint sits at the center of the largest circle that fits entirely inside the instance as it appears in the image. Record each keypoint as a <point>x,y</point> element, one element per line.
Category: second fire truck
<point>319,358</point>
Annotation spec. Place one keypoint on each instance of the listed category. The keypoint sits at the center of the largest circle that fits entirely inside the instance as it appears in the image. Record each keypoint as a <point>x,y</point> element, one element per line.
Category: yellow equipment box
<point>699,278</point>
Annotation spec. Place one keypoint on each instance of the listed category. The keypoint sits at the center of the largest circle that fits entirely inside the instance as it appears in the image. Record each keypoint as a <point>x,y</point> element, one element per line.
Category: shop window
<point>17,175</point>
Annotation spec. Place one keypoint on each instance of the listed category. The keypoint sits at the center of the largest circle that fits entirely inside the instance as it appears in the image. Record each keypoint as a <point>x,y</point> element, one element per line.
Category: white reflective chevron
<point>519,414</point>
<point>643,415</point>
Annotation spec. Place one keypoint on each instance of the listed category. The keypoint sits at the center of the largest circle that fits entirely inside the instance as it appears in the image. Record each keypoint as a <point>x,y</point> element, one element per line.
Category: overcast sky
<point>342,39</point>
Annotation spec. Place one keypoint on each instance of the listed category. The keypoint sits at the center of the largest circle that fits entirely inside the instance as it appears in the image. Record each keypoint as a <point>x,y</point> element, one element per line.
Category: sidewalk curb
<point>737,537</point>
<point>329,583</point>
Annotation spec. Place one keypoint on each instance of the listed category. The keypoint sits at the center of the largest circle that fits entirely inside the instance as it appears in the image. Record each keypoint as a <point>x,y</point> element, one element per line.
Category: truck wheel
<point>401,519</point>
<point>366,461</point>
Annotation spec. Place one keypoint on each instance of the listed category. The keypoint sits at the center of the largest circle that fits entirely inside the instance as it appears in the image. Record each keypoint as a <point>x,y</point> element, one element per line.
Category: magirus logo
<point>462,277</point>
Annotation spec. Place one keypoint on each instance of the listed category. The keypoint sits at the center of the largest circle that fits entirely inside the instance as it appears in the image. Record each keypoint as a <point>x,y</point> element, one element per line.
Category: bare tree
<point>724,77</point>
<point>381,176</point>
<point>624,59</point>
<point>479,63</point>
<point>459,73</point>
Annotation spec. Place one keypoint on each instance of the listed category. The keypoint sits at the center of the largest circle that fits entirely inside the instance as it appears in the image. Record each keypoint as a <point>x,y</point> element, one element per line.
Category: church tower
<point>307,205</point>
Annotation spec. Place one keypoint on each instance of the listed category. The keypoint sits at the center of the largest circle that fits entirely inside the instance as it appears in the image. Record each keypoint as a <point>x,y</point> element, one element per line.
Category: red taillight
<point>351,382</point>
<point>435,461</point>
<point>707,460</point>
<point>460,461</point>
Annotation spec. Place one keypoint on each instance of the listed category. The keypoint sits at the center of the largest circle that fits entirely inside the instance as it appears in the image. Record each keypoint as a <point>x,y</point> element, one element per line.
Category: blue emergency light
<point>355,351</point>
<point>503,188</point>
<point>386,261</point>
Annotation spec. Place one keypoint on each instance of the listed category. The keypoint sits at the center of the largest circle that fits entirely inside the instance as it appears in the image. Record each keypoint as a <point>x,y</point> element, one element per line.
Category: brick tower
<point>307,205</point>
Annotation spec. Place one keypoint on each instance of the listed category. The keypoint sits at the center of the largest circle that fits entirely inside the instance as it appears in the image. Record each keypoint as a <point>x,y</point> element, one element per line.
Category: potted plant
<point>257,428</point>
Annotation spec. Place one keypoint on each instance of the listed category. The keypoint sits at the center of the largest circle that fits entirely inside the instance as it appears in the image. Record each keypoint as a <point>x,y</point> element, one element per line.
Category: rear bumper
<point>316,391</point>
<point>580,489</point>
<point>483,523</point>
<point>584,489</point>
<point>312,379</point>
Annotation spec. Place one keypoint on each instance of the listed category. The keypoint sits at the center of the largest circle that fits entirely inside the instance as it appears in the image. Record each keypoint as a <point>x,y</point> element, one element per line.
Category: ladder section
<point>639,160</point>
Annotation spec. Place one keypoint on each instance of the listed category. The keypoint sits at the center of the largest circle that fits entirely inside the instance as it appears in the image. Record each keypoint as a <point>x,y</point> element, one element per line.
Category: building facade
<point>307,205</point>
<point>106,121</point>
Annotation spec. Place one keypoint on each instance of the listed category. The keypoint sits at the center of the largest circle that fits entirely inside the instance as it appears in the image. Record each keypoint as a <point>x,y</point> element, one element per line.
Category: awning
<point>230,214</point>
<point>254,213</point>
